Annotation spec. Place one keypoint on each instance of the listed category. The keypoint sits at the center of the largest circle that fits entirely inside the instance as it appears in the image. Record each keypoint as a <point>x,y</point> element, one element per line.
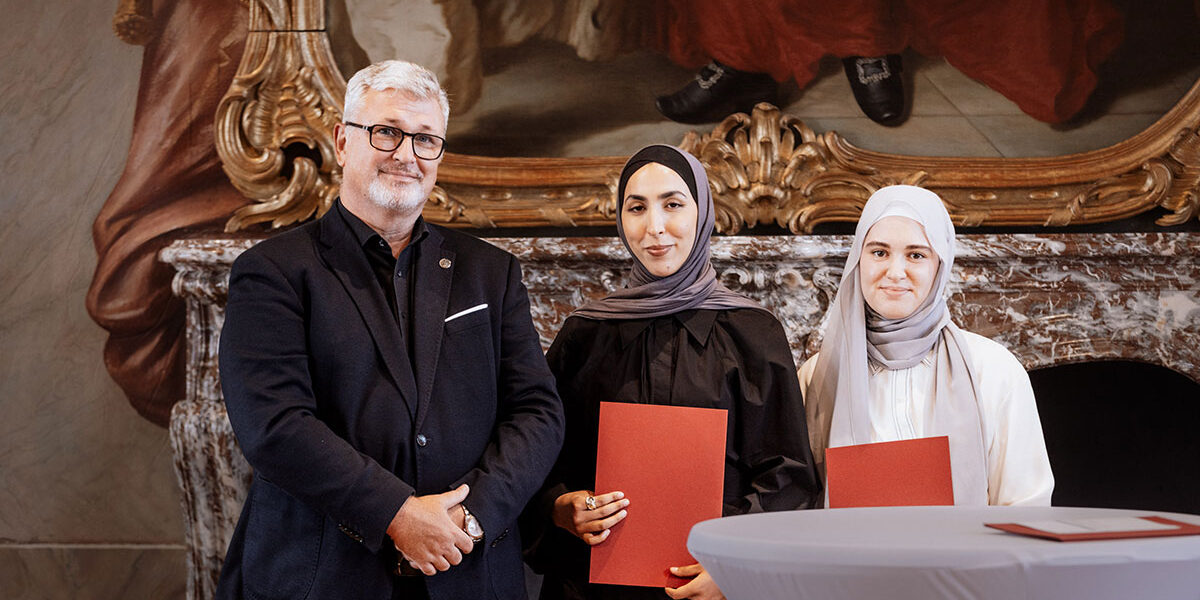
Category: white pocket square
<point>466,312</point>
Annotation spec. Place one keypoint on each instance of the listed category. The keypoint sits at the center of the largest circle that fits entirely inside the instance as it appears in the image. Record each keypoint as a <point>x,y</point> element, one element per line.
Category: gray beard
<point>408,198</point>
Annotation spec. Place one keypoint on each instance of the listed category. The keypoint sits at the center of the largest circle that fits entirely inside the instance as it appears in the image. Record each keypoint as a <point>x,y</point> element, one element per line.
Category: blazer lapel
<point>341,253</point>
<point>434,272</point>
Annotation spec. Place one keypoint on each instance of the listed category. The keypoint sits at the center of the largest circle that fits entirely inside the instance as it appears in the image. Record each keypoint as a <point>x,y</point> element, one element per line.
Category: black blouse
<point>737,360</point>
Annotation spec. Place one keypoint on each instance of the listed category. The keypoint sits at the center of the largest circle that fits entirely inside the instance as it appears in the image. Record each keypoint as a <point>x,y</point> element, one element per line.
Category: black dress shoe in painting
<point>877,86</point>
<point>717,91</point>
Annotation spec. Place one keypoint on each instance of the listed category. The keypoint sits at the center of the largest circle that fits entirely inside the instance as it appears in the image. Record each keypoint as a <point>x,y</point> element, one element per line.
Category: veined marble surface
<point>1051,299</point>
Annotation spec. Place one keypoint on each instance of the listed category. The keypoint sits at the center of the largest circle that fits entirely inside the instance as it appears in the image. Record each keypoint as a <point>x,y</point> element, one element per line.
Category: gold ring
<point>590,502</point>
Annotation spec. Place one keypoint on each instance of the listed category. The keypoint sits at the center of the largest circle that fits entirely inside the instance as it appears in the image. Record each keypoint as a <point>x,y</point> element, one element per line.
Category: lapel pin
<point>444,263</point>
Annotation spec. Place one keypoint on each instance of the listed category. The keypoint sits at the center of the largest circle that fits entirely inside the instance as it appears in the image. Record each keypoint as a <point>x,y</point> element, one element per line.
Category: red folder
<point>1179,528</point>
<point>670,463</point>
<point>905,473</point>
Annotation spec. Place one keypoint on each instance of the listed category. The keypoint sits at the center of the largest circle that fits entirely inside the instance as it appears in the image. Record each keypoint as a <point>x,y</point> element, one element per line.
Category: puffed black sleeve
<point>772,459</point>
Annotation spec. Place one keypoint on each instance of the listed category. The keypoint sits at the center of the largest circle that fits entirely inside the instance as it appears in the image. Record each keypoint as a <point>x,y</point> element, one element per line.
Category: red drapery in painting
<point>172,184</point>
<point>1041,54</point>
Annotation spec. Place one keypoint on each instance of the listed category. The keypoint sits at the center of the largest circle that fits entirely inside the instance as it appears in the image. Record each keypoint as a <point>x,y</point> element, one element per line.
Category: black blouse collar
<point>698,323</point>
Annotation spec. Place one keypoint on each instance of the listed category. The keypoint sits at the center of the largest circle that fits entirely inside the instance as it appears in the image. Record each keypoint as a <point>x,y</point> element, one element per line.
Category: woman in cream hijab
<point>892,365</point>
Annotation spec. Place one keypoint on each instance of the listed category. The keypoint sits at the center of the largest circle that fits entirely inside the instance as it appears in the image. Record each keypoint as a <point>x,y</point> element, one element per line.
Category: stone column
<point>211,470</point>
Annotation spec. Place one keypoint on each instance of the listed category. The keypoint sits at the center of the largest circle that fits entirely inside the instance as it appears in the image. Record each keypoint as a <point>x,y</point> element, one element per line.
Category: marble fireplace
<point>1053,299</point>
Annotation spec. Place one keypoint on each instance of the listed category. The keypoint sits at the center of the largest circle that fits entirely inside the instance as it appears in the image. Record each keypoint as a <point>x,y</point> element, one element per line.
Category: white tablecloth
<point>932,552</point>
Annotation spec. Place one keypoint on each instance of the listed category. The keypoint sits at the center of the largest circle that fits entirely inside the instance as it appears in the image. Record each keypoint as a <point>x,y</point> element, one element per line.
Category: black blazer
<point>340,430</point>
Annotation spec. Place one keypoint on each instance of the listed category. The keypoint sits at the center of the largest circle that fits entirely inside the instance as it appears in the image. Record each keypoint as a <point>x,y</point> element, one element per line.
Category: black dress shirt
<point>394,274</point>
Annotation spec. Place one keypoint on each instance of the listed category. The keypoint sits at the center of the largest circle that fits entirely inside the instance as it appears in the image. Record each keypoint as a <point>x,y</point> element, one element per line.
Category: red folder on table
<point>670,463</point>
<point>905,473</point>
<point>1169,527</point>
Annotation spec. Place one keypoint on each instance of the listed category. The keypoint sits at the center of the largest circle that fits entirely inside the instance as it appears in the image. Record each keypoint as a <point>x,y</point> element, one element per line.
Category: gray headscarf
<point>837,399</point>
<point>695,284</point>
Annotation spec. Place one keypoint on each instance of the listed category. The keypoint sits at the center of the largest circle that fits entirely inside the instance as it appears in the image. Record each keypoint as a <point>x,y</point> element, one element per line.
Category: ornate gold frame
<point>766,167</point>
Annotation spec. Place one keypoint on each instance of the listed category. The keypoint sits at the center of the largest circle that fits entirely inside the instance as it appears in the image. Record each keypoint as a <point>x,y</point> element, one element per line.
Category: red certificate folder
<point>905,473</point>
<point>670,463</point>
<point>1177,528</point>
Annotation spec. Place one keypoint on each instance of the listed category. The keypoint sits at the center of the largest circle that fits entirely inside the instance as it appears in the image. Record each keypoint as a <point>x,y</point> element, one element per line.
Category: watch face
<point>472,526</point>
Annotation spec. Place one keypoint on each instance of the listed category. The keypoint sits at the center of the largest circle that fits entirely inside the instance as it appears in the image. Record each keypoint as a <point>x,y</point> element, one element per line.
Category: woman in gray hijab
<point>674,336</point>
<point>892,365</point>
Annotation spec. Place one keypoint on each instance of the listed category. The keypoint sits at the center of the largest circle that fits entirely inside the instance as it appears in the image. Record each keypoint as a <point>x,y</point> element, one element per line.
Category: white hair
<point>398,75</point>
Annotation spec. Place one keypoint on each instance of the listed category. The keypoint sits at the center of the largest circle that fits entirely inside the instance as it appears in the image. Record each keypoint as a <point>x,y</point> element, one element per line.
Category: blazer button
<point>421,440</point>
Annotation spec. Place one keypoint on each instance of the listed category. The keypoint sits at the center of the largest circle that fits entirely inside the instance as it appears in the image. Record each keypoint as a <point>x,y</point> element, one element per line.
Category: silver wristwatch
<point>471,525</point>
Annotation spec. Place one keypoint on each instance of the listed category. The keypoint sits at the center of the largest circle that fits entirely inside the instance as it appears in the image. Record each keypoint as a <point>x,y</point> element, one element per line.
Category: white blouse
<point>1018,466</point>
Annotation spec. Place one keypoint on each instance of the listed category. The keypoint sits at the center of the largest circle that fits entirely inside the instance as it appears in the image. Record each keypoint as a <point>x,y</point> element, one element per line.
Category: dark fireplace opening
<point>1121,434</point>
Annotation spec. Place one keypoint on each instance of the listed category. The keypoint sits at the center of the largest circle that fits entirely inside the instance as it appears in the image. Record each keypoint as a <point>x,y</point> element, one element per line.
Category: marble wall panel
<point>92,572</point>
<point>88,501</point>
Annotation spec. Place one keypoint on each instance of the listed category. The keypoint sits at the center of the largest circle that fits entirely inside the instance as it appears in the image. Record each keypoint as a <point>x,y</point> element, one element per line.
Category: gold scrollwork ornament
<point>274,130</point>
<point>769,167</point>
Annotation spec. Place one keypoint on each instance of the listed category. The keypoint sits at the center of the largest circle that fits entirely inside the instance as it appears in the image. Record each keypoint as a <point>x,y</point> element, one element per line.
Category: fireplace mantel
<point>1050,298</point>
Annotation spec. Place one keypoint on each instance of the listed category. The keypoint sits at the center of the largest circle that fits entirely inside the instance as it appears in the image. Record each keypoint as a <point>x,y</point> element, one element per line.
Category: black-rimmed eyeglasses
<point>387,138</point>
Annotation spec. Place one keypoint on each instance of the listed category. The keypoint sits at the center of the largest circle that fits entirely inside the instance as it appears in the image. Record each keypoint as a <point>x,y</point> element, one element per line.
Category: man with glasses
<point>385,381</point>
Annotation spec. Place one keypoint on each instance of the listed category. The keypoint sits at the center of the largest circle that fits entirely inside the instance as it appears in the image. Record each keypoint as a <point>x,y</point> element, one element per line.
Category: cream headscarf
<point>837,398</point>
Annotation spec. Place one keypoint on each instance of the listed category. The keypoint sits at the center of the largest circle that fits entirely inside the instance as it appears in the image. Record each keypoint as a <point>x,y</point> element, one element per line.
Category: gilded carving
<point>453,209</point>
<point>274,136</point>
<point>459,203</point>
<point>1184,201</point>
<point>1115,197</point>
<point>769,167</point>
<point>274,130</point>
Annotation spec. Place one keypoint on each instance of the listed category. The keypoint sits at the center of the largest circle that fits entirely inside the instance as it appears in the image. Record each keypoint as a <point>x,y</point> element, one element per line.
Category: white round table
<point>931,552</point>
